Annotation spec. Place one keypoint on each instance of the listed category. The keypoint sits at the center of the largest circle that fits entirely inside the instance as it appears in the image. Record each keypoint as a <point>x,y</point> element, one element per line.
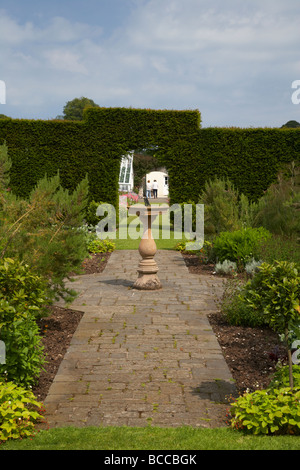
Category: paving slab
<point>141,358</point>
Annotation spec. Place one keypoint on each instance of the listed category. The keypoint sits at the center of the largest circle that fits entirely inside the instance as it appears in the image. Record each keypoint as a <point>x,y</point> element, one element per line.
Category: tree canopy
<point>73,110</point>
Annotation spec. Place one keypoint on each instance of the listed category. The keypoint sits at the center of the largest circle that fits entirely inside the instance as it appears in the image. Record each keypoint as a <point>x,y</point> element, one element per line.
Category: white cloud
<point>227,58</point>
<point>66,60</point>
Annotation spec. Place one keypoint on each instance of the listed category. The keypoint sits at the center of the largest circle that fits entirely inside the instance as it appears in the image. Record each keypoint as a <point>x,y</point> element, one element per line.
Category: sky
<point>233,60</point>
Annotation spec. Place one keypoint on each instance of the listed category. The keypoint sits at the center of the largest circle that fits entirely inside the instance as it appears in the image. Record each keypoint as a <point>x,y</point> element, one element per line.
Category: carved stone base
<point>147,282</point>
<point>147,269</point>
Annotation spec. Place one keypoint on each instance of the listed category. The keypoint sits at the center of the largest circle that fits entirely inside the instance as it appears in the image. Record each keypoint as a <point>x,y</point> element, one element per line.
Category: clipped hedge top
<point>249,157</point>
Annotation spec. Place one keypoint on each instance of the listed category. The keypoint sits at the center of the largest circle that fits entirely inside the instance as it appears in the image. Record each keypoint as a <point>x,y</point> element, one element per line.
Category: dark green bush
<point>250,158</point>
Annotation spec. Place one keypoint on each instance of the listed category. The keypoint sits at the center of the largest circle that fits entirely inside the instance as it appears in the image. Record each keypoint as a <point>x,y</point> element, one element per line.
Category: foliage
<point>22,298</point>
<point>281,377</point>
<point>278,210</point>
<point>275,292</point>
<point>42,231</point>
<point>24,349</point>
<point>239,246</point>
<point>5,166</point>
<point>100,246</point>
<point>226,267</point>
<point>275,411</point>
<point>252,267</point>
<point>250,158</point>
<point>19,412</point>
<point>91,217</point>
<point>180,246</point>
<point>143,163</point>
<point>19,285</point>
<point>73,110</point>
<point>132,198</point>
<point>280,248</point>
<point>236,311</point>
<point>221,206</point>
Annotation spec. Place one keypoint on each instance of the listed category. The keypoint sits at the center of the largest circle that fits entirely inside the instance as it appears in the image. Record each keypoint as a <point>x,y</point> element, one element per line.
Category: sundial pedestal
<point>148,269</point>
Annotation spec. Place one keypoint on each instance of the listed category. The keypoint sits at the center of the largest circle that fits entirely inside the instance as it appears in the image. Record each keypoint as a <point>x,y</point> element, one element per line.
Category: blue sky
<point>233,60</point>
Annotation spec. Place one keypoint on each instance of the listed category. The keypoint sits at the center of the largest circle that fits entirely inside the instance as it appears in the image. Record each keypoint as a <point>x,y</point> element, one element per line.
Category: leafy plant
<point>101,246</point>
<point>19,285</point>
<point>236,311</point>
<point>279,248</point>
<point>24,350</point>
<point>275,292</point>
<point>19,411</point>
<point>278,209</point>
<point>252,267</point>
<point>226,267</point>
<point>91,217</point>
<point>239,246</point>
<point>281,377</point>
<point>275,411</point>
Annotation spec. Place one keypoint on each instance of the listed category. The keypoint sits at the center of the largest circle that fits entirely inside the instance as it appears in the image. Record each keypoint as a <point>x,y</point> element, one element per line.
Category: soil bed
<point>58,328</point>
<point>251,353</point>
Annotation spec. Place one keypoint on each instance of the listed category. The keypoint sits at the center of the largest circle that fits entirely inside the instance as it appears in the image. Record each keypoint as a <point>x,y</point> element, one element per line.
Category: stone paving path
<point>142,358</point>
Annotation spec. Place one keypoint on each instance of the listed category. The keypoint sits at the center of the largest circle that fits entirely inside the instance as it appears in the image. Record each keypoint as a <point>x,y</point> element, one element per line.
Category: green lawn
<point>159,234</point>
<point>150,438</point>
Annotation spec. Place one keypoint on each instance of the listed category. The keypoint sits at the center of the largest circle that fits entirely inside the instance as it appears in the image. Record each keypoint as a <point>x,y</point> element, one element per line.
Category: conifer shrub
<point>43,230</point>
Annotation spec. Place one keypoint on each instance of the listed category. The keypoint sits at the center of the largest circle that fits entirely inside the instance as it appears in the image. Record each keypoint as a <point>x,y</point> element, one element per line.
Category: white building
<point>126,178</point>
<point>162,179</point>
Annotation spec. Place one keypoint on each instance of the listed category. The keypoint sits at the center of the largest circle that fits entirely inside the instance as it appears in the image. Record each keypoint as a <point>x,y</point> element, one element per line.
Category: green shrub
<point>101,246</point>
<point>279,248</point>
<point>43,231</point>
<point>275,292</point>
<point>280,378</point>
<point>19,285</point>
<point>19,412</point>
<point>236,310</point>
<point>24,350</point>
<point>180,246</point>
<point>91,217</point>
<point>221,206</point>
<point>275,411</point>
<point>239,246</point>
<point>278,209</point>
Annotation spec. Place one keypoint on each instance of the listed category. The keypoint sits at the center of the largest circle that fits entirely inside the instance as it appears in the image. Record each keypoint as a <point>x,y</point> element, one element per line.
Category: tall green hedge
<point>250,158</point>
<point>94,146</point>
